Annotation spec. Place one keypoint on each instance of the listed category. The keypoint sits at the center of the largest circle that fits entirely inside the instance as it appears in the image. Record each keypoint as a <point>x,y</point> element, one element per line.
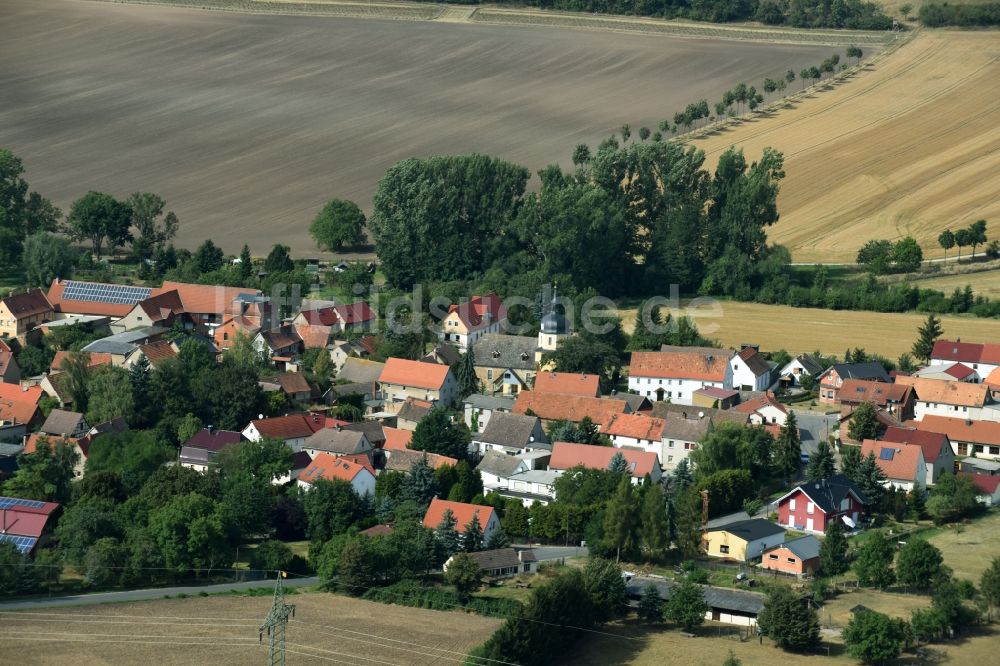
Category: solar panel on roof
<point>22,543</point>
<point>8,502</point>
<point>117,294</point>
<point>887,454</point>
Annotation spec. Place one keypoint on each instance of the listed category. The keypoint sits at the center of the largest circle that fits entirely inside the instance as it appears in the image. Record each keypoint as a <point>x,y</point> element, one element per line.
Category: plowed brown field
<point>909,147</point>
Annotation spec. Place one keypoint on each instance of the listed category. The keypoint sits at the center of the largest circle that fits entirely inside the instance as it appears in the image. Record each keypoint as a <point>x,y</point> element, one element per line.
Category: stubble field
<point>246,124</point>
<point>910,147</point>
<point>223,631</point>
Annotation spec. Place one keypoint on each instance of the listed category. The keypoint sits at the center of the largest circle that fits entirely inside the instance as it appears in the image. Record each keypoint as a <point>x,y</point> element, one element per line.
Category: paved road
<point>814,428</point>
<point>146,595</point>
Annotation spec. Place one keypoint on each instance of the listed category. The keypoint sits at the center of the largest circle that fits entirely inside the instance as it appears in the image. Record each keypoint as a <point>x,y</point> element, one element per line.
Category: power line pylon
<point>275,623</point>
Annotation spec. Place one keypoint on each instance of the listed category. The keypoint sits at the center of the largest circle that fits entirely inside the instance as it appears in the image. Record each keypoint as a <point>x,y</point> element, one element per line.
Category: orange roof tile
<point>566,455</point>
<point>403,372</point>
<point>560,406</point>
<point>204,298</point>
<point>473,312</point>
<point>634,426</point>
<point>326,466</point>
<point>568,382</point>
<point>993,379</point>
<point>18,405</point>
<point>294,382</point>
<point>931,443</point>
<point>313,337</point>
<point>696,364</point>
<point>879,393</point>
<point>78,306</point>
<point>95,360</point>
<point>758,403</point>
<point>902,464</point>
<point>947,392</point>
<point>397,438</point>
<point>959,430</point>
<point>463,513</point>
<point>158,351</point>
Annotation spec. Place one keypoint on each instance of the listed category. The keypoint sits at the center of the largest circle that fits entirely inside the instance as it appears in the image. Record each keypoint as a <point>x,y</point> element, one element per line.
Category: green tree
<point>100,219</point>
<point>977,234</point>
<point>618,464</point>
<point>821,463</point>
<point>446,538</point>
<point>189,533</point>
<point>850,461</point>
<point>727,489</point>
<point>918,564</point>
<point>650,604</point>
<point>152,232</point>
<point>246,266</point>
<point>874,562</point>
<point>788,449</point>
<point>734,446</point>
<point>604,584</point>
<point>907,255</point>
<point>110,395</point>
<point>963,238</point>
<point>791,624</point>
<point>688,510</point>
<point>472,535</point>
<point>45,474</point>
<point>833,551</point>
<point>587,355</point>
<point>437,433</point>
<point>357,566</point>
<point>464,575</point>
<point>654,522</point>
<point>620,527</point>
<point>338,225</point>
<point>103,562</point>
<point>22,212</point>
<point>498,539</point>
<point>731,658</point>
<point>330,507</point>
<point>874,638</point>
<point>989,583</point>
<point>870,479</point>
<point>47,257</point>
<point>947,241</point>
<point>465,372</point>
<point>855,52</point>
<point>134,454</point>
<point>952,498</point>
<point>208,257</point>
<point>686,606</point>
<point>76,365</point>
<point>419,486</point>
<point>876,256</point>
<point>83,524</point>
<point>864,423</point>
<point>279,260</point>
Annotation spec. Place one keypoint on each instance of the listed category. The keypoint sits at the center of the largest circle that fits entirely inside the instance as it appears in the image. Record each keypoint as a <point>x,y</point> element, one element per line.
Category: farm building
<point>743,540</point>
<point>738,607</point>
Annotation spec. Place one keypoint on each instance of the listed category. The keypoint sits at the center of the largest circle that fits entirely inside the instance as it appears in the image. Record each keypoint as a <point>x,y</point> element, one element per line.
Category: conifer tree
<point>620,519</point>
<point>246,266</point>
<point>447,540</point>
<point>788,449</point>
<point>472,535</point>
<point>927,335</point>
<point>655,524</point>
<point>833,550</point>
<point>465,372</point>
<point>618,464</point>
<point>820,463</point>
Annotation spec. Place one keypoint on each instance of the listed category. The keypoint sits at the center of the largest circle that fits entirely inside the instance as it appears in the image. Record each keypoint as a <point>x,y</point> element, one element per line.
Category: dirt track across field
<point>246,124</point>
<point>911,147</point>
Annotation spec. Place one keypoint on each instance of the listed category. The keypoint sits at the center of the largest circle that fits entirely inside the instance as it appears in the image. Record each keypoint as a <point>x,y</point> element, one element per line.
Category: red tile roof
<point>932,443</point>
<point>960,371</point>
<point>348,314</point>
<point>635,426</point>
<point>76,306</point>
<point>986,433</point>
<point>902,465</point>
<point>28,521</point>
<point>95,360</point>
<point>566,455</point>
<point>18,405</point>
<point>204,298</point>
<point>290,426</point>
<point>403,372</point>
<point>754,361</point>
<point>560,406</point>
<point>397,438</point>
<point>473,312</point>
<point>966,352</point>
<point>294,382</point>
<point>27,304</point>
<point>568,382</point>
<point>878,393</point>
<point>326,466</point>
<point>758,403</point>
<point>313,337</point>
<point>947,392</point>
<point>158,351</point>
<point>717,393</point>
<point>986,483</point>
<point>694,363</point>
<point>463,513</point>
<point>162,306</point>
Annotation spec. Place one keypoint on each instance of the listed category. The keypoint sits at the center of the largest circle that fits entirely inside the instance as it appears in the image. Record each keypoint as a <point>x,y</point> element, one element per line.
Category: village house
<point>833,378</point>
<point>551,407</point>
<point>294,385</point>
<point>717,398</point>
<point>21,313</point>
<point>742,541</point>
<point>502,562</point>
<point>19,405</point>
<point>23,522</point>
<point>155,352</point>
<point>949,372</point>
<point>412,412</point>
<point>902,464</point>
<point>292,429</point>
<point>680,437</point>
<point>814,505</point>
<point>337,441</point>
<point>341,350</point>
<point>978,439</point>
<point>667,410</point>
<point>278,344</point>
<point>897,399</point>
<point>987,487</point>
<point>573,383</point>
<point>336,319</point>
<point>497,467</point>
<point>463,514</point>
<point>96,299</point>
<point>800,367</point>
<point>566,455</point>
<point>402,379</point>
<point>510,434</point>
<point>403,459</point>
<point>763,409</point>
<point>63,423</point>
<point>479,408</point>
<point>636,431</point>
<point>982,358</point>
<point>751,371</point>
<point>467,322</point>
<point>505,364</point>
<point>442,355</point>
<point>121,345</point>
<point>332,468</point>
<point>531,486</point>
<point>396,438</point>
<point>938,455</point>
<point>675,373</point>
<point>206,306</point>
<point>519,477</point>
<point>798,556</point>
<point>10,372</point>
<point>199,452</point>
<point>954,399</point>
<point>358,370</point>
<point>726,606</point>
<point>163,310</point>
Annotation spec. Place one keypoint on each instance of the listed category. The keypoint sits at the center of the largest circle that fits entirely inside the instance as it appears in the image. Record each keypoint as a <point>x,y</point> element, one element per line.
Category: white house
<point>512,434</point>
<point>401,379</point>
<point>951,399</point>
<point>680,437</point>
<point>467,322</point>
<point>533,485</point>
<point>983,358</point>
<point>751,372</point>
<point>331,468</point>
<point>804,365</point>
<point>674,373</point>
<point>463,514</point>
<point>763,409</point>
<point>903,464</point>
<point>292,429</point>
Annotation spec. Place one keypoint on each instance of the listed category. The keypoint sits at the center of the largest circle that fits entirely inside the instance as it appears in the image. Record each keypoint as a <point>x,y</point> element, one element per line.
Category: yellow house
<point>19,313</point>
<point>465,324</point>
<point>743,540</point>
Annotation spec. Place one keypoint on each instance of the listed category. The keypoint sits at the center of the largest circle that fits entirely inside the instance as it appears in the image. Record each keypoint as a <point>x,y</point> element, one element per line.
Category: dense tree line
<point>936,14</point>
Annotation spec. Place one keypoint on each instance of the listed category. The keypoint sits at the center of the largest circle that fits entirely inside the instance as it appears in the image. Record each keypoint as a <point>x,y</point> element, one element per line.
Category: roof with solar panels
<point>95,298</point>
<point>22,521</point>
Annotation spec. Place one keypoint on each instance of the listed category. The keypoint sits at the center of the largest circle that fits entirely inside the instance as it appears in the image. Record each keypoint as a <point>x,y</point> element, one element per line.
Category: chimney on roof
<point>209,428</point>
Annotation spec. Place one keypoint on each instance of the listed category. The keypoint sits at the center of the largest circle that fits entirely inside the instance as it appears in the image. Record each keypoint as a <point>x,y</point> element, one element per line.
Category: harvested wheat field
<point>983,283</point>
<point>222,630</point>
<point>246,124</point>
<point>803,330</point>
<point>909,146</point>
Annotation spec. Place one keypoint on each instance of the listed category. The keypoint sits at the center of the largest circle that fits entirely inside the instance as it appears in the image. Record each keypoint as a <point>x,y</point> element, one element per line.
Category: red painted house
<point>812,506</point>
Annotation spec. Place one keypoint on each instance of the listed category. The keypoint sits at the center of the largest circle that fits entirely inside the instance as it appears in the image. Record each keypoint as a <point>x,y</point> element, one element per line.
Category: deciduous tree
<point>686,606</point>
<point>47,257</point>
<point>338,225</point>
<point>787,621</point>
<point>874,638</point>
<point>464,575</point>
<point>918,564</point>
<point>874,562</point>
<point>100,219</point>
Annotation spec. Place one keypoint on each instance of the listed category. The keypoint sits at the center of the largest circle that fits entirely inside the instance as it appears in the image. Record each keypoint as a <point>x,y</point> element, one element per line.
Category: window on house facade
<point>791,504</point>
<point>670,459</point>
<point>963,449</point>
<point>772,557</point>
<point>791,560</point>
<point>809,507</point>
<point>670,444</point>
<point>724,550</point>
<point>995,450</point>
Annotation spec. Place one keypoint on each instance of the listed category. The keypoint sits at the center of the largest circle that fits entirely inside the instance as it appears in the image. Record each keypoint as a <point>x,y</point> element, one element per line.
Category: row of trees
<point>974,235</point>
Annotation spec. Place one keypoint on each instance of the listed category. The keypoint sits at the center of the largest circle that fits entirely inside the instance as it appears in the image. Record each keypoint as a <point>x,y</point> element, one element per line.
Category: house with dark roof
<point>164,310</point>
<point>337,441</point>
<point>442,355</point>
<point>506,364</point>
<point>797,556</point>
<point>412,412</point>
<point>725,605</point>
<point>674,373</point>
<point>403,460</point>
<point>198,453</point>
<point>294,385</point>
<point>334,319</point>
<point>497,467</point>
<point>20,313</point>
<point>373,430</point>
<point>938,455</point>
<point>751,371</point>
<point>502,562</point>
<point>742,541</point>
<point>833,378</point>
<point>813,506</point>
<point>466,323</point>
<point>205,305</point>
<point>359,370</point>
<point>479,408</point>
<point>793,372</point>
<point>510,434</point>
<point>155,352</point>
<point>120,345</point>
<point>710,396</point>
<point>902,464</point>
<point>283,341</point>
